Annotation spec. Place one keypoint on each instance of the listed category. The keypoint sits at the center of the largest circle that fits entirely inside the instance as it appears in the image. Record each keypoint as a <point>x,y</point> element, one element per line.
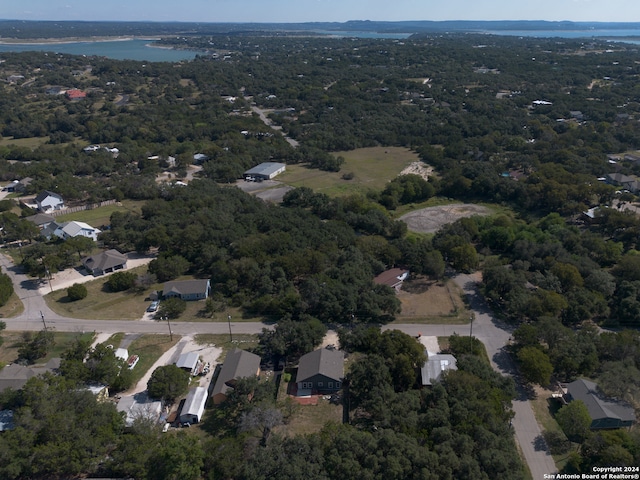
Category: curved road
<point>486,328</point>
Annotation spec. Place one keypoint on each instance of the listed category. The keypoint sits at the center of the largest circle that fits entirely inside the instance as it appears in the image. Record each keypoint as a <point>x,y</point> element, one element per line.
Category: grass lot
<point>13,340</point>
<point>149,348</point>
<point>32,143</point>
<point>429,302</point>
<point>544,409</point>
<point>12,308</point>
<point>242,341</point>
<point>100,304</point>
<point>102,215</point>
<point>372,169</point>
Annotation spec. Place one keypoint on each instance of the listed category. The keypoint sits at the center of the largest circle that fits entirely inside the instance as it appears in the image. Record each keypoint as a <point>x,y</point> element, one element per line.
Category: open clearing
<point>427,301</point>
<point>431,219</point>
<point>371,167</point>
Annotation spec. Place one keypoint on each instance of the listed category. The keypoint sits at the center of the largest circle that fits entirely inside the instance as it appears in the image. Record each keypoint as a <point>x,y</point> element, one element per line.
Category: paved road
<point>485,327</point>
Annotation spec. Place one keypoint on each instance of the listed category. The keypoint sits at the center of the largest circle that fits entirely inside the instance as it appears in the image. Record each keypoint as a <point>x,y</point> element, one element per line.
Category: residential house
<point>41,220</point>
<point>189,362</point>
<point>194,404</point>
<point>238,364</point>
<point>105,262</point>
<point>435,366</point>
<point>265,171</point>
<point>15,376</point>
<point>605,412</point>
<point>74,229</point>
<point>392,278</point>
<point>17,186</point>
<point>75,94</point>
<point>139,406</point>
<point>48,201</point>
<point>624,181</point>
<point>320,371</point>
<point>187,289</point>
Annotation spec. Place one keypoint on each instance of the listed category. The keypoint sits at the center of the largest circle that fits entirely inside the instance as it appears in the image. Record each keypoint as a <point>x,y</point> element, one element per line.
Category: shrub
<point>76,291</point>
<point>6,288</point>
<point>121,281</point>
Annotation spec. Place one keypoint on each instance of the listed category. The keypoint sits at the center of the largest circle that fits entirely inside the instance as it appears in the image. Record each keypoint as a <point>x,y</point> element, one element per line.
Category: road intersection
<point>494,335</point>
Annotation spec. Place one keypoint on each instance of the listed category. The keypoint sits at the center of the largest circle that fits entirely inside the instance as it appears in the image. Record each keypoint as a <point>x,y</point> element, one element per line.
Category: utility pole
<point>230,334</point>
<point>43,322</point>
<point>169,325</point>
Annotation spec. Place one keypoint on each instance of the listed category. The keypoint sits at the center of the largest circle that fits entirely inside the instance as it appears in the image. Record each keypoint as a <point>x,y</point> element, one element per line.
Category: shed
<point>193,407</point>
<point>188,361</point>
<point>321,371</point>
<point>238,364</point>
<point>265,171</point>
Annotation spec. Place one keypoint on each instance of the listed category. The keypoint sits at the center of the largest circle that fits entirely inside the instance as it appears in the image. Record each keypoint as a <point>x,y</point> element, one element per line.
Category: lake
<point>118,50</point>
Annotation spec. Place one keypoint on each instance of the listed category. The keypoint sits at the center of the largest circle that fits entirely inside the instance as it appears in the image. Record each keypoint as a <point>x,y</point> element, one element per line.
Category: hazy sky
<point>320,10</point>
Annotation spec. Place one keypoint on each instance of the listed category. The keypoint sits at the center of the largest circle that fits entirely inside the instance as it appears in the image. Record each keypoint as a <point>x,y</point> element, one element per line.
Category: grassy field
<point>372,168</point>
<point>429,302</point>
<point>12,308</point>
<point>101,216</point>
<point>32,142</point>
<point>13,340</point>
<point>149,348</point>
<point>242,341</point>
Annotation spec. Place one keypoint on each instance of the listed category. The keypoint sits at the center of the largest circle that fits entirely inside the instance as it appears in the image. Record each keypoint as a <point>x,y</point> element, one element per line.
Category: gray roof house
<point>605,412</point>
<point>139,406</point>
<point>48,201</point>
<point>41,220</point>
<point>237,364</point>
<point>187,289</point>
<point>105,262</point>
<point>75,229</point>
<point>265,171</point>
<point>435,366</point>
<point>193,407</point>
<point>15,376</point>
<point>320,371</point>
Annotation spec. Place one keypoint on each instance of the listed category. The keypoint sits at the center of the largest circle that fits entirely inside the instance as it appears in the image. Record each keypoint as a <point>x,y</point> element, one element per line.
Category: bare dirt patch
<point>431,219</point>
<point>418,168</point>
<point>424,300</point>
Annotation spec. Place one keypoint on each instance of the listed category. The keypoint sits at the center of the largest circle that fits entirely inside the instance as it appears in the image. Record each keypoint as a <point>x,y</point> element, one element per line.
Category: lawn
<point>12,308</point>
<point>100,304</point>
<point>13,340</point>
<point>371,167</point>
<point>242,341</point>
<point>149,348</point>
<point>102,215</point>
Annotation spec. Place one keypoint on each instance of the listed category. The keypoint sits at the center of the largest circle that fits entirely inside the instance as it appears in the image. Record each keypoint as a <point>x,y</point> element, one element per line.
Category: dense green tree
<point>6,288</point>
<point>535,365</point>
<point>77,291</point>
<point>574,419</point>
<point>292,338</point>
<point>171,308</point>
<point>121,281</point>
<point>168,383</point>
<point>35,346</point>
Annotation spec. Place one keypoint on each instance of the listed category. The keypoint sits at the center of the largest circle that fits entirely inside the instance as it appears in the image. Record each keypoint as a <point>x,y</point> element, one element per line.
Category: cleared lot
<point>431,219</point>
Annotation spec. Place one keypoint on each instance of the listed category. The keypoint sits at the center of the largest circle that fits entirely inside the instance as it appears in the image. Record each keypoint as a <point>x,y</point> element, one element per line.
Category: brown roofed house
<point>238,364</point>
<point>392,278</point>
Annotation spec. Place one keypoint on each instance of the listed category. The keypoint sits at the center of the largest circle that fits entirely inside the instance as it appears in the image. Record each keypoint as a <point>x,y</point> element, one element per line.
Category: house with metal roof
<point>194,404</point>
<point>435,366</point>
<point>187,289</point>
<point>265,171</point>
<point>105,262</point>
<point>605,412</point>
<point>238,364</point>
<point>320,371</point>
<point>139,406</point>
<point>74,229</point>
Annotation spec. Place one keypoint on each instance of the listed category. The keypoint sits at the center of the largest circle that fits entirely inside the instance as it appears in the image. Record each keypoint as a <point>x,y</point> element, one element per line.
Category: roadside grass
<point>429,302</point>
<point>13,341</point>
<point>544,409</point>
<point>12,308</point>
<point>100,304</point>
<point>101,215</point>
<point>149,348</point>
<point>115,339</point>
<point>372,169</point>
<point>243,341</point>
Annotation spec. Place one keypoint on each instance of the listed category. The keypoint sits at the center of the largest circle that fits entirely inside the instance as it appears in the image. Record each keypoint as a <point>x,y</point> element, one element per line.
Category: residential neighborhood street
<point>485,327</point>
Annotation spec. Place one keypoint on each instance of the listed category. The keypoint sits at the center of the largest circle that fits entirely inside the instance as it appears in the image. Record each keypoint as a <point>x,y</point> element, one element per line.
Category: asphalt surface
<point>485,327</point>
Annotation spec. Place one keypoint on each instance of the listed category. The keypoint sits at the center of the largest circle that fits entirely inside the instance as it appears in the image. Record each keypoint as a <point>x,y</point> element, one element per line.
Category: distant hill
<point>19,29</point>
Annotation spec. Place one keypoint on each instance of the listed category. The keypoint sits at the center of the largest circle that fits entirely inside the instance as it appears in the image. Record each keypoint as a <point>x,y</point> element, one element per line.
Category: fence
<point>80,208</point>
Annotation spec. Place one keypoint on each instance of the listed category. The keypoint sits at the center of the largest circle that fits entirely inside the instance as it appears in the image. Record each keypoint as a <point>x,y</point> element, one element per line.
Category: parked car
<point>154,306</point>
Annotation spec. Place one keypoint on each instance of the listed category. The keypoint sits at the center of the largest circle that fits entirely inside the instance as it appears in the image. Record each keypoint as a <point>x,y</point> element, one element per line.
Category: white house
<point>73,229</point>
<point>48,201</point>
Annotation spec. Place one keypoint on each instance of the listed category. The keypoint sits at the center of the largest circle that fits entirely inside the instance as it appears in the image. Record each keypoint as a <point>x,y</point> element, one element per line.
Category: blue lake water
<point>143,50</point>
<point>118,50</point>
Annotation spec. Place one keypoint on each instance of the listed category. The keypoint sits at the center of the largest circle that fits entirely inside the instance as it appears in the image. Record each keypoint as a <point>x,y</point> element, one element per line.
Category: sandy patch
<point>100,338</point>
<point>418,168</point>
<point>331,338</point>
<point>431,219</point>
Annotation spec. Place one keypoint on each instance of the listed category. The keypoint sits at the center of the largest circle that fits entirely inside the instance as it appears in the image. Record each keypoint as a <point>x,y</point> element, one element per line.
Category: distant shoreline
<point>66,40</point>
